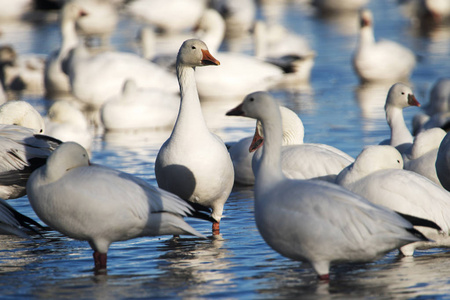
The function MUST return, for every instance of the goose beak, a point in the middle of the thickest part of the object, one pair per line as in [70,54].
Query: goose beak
[208,59]
[237,111]
[412,101]
[257,142]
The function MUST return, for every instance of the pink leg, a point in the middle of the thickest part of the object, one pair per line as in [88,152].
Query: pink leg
[216,228]
[325,277]
[100,260]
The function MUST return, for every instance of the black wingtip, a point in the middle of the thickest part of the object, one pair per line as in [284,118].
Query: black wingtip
[420,222]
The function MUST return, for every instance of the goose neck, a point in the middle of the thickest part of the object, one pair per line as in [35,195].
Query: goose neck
[268,170]
[190,115]
[399,131]
[366,36]
[68,35]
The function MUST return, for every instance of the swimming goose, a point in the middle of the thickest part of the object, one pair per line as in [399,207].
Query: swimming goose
[443,162]
[194,163]
[383,61]
[101,205]
[136,108]
[399,97]
[315,221]
[378,176]
[56,82]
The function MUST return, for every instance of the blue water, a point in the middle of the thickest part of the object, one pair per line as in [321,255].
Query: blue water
[335,110]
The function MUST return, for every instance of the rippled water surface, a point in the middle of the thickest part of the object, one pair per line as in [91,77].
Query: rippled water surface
[335,110]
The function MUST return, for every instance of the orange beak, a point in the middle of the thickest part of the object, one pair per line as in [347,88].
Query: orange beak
[412,101]
[257,142]
[208,59]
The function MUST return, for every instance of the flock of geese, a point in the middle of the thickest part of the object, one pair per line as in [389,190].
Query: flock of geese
[313,202]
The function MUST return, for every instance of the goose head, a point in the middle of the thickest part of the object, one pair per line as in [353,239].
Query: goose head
[71,12]
[401,96]
[67,156]
[365,18]
[194,53]
[378,157]
[21,113]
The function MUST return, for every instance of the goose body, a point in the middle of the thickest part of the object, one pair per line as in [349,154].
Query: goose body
[378,176]
[422,158]
[315,221]
[102,205]
[194,163]
[382,61]
[136,109]
[67,123]
[399,97]
[96,78]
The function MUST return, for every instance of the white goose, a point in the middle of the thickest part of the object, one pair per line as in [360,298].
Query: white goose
[293,132]
[66,122]
[399,97]
[21,150]
[96,78]
[137,109]
[231,80]
[422,158]
[315,221]
[443,162]
[383,61]
[56,82]
[102,205]
[377,175]
[194,163]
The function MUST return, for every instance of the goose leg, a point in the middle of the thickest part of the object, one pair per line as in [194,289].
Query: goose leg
[100,260]
[216,228]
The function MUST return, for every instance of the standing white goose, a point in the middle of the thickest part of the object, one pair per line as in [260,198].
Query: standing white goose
[399,97]
[383,61]
[194,163]
[56,82]
[315,221]
[102,205]
[377,175]
[443,162]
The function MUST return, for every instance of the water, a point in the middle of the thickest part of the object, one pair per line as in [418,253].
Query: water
[335,110]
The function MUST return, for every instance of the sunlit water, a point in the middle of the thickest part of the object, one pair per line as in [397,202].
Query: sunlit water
[335,110]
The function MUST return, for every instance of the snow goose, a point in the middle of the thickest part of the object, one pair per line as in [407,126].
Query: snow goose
[315,221]
[21,113]
[22,149]
[96,78]
[101,20]
[194,163]
[168,16]
[137,109]
[422,158]
[383,61]
[399,97]
[288,50]
[66,122]
[377,175]
[13,222]
[231,80]
[56,82]
[293,132]
[443,162]
[102,205]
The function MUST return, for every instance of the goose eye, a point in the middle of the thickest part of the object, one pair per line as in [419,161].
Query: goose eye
[252,99]
[193,47]
[403,93]
[41,131]
[398,161]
